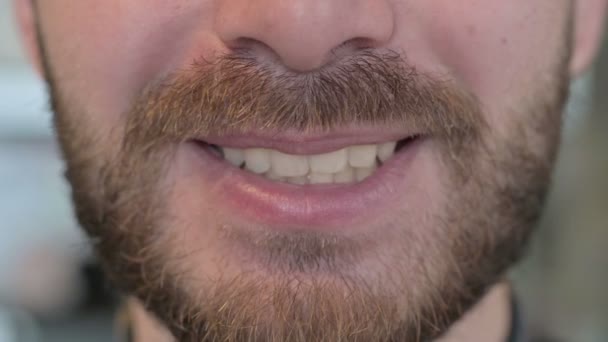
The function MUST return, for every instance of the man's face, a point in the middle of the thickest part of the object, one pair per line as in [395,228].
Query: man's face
[307,170]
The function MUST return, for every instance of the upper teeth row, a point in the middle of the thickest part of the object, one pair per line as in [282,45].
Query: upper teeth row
[341,166]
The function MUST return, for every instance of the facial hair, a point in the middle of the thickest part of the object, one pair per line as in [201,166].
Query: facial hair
[495,193]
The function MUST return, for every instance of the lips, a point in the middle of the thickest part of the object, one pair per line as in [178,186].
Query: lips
[321,182]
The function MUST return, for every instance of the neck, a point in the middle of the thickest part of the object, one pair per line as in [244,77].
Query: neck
[493,313]
[488,321]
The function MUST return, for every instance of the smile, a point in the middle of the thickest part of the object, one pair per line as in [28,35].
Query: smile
[307,181]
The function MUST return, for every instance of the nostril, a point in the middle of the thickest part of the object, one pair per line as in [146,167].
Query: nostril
[252,48]
[352,47]
[304,36]
[243,44]
[359,43]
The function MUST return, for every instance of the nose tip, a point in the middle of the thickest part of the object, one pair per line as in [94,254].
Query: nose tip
[304,34]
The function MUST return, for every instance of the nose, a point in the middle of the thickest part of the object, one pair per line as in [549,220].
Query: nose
[304,34]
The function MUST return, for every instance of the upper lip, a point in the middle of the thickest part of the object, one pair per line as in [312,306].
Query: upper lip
[305,143]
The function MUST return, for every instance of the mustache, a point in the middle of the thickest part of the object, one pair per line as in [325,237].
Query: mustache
[238,93]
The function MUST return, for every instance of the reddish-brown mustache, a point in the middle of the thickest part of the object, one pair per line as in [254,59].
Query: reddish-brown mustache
[236,94]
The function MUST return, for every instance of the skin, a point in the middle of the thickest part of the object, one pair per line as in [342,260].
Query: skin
[103,54]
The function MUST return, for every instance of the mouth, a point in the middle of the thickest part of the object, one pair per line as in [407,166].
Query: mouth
[291,180]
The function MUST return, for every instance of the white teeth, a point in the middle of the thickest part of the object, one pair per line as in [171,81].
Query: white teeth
[273,176]
[386,150]
[348,165]
[347,175]
[234,156]
[288,165]
[362,173]
[257,160]
[298,180]
[331,162]
[320,178]
[362,156]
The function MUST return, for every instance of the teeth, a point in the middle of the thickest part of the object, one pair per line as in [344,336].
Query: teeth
[321,178]
[331,162]
[362,156]
[348,165]
[257,160]
[288,165]
[298,180]
[273,176]
[234,156]
[347,175]
[386,150]
[362,173]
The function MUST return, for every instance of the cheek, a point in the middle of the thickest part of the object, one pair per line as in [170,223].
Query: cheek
[498,49]
[103,54]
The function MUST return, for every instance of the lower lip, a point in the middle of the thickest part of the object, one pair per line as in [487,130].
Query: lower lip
[325,207]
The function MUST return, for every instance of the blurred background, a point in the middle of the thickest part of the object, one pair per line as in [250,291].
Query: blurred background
[51,290]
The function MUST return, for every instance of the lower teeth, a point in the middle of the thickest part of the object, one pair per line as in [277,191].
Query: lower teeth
[348,175]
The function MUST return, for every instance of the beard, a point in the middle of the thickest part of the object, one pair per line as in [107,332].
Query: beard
[312,287]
